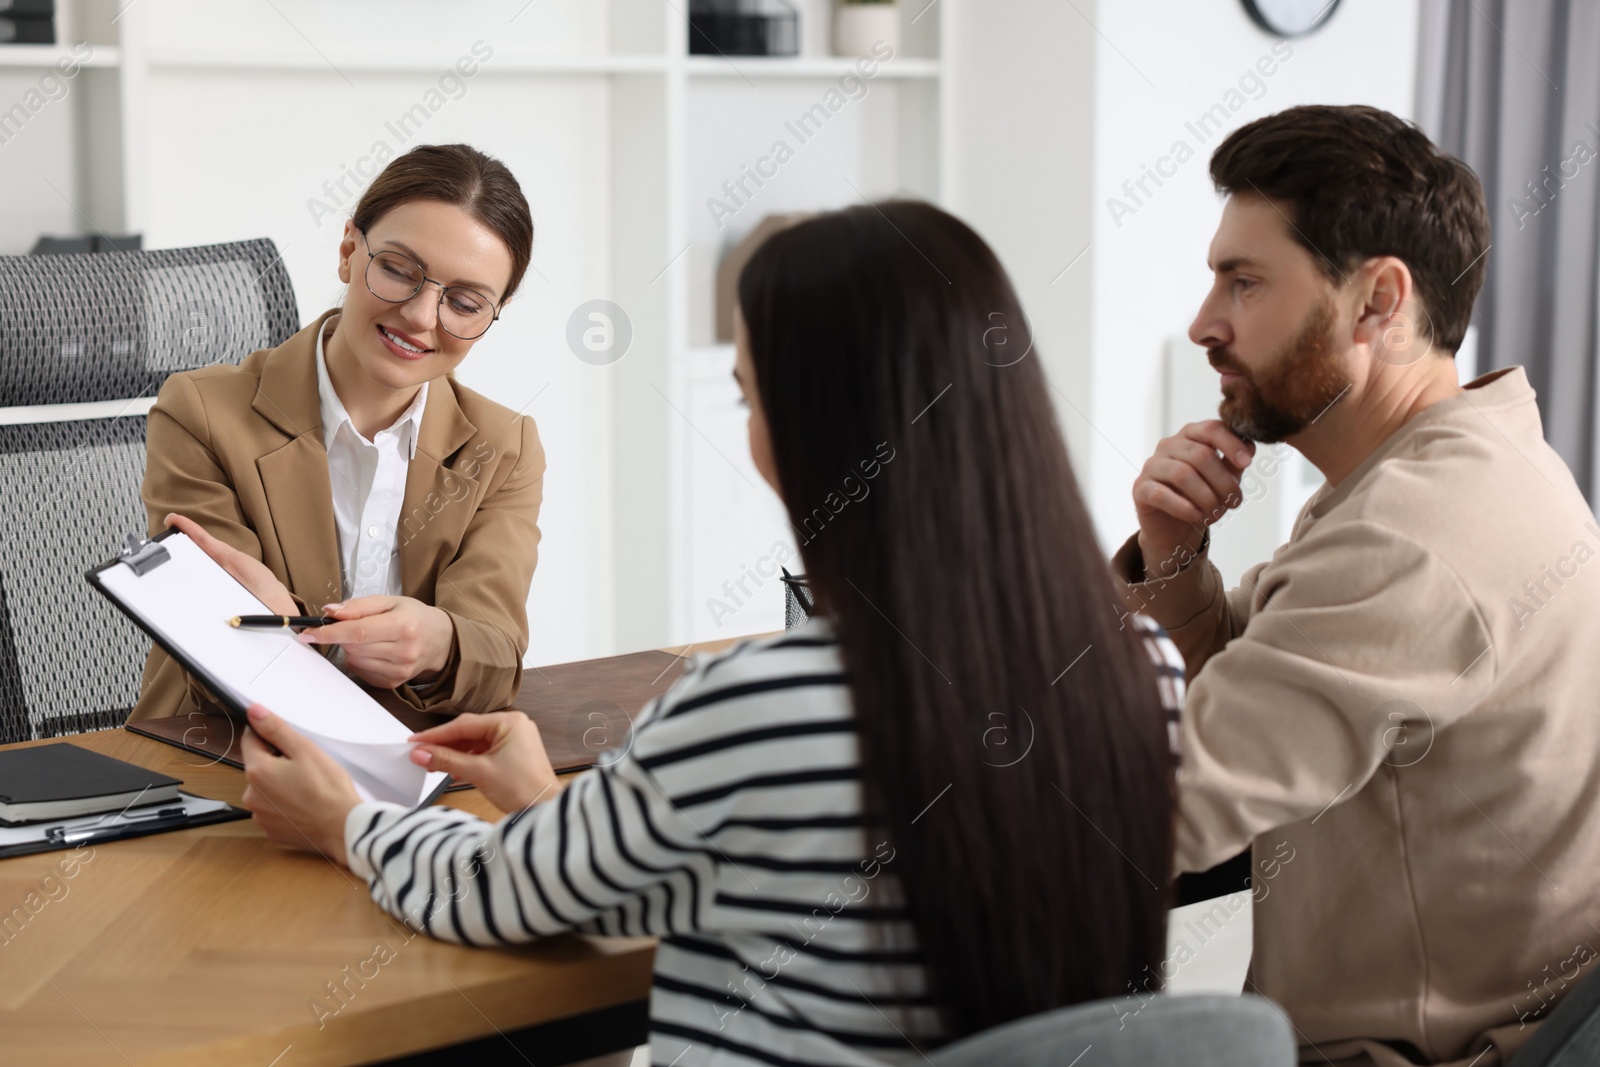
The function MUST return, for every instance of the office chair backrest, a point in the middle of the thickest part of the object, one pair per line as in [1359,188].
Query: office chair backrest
[1570,1035]
[85,343]
[1196,1031]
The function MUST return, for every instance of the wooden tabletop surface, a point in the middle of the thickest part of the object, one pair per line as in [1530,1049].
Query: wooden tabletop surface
[216,946]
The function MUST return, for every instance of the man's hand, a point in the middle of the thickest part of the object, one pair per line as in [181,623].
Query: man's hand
[388,640]
[500,753]
[1185,487]
[246,570]
[299,796]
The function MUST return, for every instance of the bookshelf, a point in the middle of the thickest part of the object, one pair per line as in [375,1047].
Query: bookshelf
[891,136]
[62,117]
[194,122]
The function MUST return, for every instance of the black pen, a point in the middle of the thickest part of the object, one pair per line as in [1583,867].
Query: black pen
[279,622]
[163,813]
[84,834]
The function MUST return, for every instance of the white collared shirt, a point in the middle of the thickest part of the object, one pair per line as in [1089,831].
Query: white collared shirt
[369,487]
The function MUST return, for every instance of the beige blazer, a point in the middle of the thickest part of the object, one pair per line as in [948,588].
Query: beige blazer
[239,450]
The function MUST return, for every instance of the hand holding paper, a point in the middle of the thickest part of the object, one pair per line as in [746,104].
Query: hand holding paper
[388,640]
[246,570]
[299,795]
[185,603]
[501,753]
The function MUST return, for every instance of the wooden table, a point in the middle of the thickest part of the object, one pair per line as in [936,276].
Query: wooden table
[215,946]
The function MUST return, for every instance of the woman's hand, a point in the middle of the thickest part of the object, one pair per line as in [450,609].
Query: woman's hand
[388,640]
[499,752]
[247,570]
[301,797]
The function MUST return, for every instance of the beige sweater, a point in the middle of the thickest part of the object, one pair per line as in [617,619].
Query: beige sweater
[1401,711]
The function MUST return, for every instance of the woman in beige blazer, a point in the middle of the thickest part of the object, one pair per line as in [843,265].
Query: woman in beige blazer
[351,465]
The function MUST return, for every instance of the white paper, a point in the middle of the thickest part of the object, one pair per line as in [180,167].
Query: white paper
[189,600]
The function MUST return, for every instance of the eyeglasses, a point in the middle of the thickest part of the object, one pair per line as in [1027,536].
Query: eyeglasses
[395,278]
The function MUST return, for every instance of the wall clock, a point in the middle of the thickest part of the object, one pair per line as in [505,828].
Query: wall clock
[1290,18]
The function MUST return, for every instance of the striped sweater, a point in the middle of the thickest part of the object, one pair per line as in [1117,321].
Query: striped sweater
[730,828]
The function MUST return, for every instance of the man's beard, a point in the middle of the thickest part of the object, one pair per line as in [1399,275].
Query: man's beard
[1297,385]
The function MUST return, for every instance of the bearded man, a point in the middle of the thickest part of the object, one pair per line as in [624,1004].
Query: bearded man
[1400,711]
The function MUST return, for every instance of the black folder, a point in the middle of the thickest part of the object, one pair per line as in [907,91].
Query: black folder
[64,781]
[63,771]
[27,30]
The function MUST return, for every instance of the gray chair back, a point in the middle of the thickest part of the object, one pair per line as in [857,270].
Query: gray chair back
[1570,1035]
[1195,1031]
[85,343]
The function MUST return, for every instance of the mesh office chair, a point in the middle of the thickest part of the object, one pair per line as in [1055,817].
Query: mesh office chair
[1569,1035]
[1196,1031]
[85,343]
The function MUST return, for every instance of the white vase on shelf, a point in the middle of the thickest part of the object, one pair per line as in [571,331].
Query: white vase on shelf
[858,27]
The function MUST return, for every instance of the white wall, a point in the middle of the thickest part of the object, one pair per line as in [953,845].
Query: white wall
[1026,73]
[1159,65]
[37,162]
[1058,106]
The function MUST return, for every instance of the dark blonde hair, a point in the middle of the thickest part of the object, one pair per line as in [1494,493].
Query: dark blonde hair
[461,175]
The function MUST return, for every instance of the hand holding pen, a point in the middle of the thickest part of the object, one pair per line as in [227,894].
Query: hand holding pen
[387,640]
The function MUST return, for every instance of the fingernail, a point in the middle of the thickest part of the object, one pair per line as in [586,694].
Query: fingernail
[1242,458]
[329,609]
[255,714]
[306,637]
[421,756]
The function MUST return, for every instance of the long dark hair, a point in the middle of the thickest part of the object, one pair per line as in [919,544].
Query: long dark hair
[969,595]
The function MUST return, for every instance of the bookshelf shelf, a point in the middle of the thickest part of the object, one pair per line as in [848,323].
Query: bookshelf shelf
[805,67]
[40,56]
[390,62]
[197,122]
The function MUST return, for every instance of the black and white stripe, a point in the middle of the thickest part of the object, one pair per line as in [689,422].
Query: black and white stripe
[731,829]
[1168,664]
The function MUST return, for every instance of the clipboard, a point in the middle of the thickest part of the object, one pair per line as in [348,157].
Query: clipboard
[115,826]
[183,598]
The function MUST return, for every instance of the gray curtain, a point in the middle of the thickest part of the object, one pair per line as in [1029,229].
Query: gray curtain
[1513,88]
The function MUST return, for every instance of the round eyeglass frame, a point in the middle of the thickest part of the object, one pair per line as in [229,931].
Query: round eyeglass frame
[443,289]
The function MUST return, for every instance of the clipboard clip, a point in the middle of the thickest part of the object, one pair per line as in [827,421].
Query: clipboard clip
[142,556]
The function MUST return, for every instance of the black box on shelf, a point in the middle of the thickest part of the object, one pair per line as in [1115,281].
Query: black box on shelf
[743,28]
[67,246]
[40,30]
[23,9]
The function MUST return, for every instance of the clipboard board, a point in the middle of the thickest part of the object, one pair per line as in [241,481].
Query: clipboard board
[183,598]
[115,826]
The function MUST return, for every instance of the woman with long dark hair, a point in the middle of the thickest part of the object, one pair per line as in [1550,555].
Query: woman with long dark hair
[942,804]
